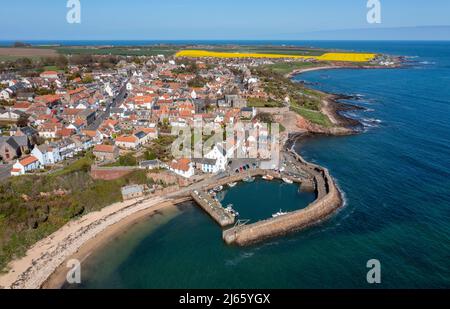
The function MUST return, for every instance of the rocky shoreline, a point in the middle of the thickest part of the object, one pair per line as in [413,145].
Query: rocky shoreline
[333,107]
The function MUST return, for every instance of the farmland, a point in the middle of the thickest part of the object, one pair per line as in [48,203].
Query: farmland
[10,54]
[346,57]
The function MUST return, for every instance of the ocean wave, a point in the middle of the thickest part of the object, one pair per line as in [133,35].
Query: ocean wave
[238,259]
[427,62]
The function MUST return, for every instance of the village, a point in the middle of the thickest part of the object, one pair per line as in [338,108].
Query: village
[124,115]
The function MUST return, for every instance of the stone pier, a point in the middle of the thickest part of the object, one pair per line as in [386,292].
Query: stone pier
[328,202]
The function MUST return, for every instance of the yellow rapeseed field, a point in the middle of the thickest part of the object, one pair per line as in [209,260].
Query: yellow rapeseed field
[352,57]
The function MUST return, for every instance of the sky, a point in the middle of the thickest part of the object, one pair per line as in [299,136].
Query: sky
[220,20]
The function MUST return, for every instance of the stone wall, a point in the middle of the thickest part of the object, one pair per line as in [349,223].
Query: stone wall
[328,201]
[110,173]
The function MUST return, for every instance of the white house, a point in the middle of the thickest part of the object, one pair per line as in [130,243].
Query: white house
[5,95]
[207,165]
[129,86]
[127,142]
[47,154]
[183,167]
[9,116]
[25,165]
[67,148]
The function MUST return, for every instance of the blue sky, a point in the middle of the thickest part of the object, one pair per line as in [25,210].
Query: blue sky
[212,19]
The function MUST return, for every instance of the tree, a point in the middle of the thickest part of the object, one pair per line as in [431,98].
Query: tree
[150,155]
[21,44]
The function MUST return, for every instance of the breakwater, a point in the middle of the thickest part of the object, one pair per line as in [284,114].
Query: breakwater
[328,201]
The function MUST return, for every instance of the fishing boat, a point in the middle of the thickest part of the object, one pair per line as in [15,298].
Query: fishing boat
[287,180]
[232,185]
[231,210]
[268,177]
[249,179]
[279,214]
[218,188]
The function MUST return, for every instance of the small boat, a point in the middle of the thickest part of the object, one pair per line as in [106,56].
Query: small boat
[249,179]
[218,188]
[230,210]
[286,180]
[232,185]
[279,214]
[268,177]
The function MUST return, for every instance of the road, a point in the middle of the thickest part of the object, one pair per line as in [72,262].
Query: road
[117,101]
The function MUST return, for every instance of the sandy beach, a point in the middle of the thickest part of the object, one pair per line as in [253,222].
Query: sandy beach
[76,240]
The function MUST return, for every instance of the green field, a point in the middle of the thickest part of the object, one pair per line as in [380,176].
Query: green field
[119,51]
[255,102]
[315,117]
[287,67]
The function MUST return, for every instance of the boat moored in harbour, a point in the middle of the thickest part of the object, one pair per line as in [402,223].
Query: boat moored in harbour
[218,189]
[231,210]
[279,214]
[249,179]
[288,181]
[268,177]
[232,185]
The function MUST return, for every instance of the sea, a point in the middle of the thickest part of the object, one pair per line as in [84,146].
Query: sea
[395,179]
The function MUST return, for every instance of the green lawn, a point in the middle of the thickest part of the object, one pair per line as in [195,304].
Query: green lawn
[255,102]
[287,67]
[315,117]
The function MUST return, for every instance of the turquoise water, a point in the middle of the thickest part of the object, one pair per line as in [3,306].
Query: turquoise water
[396,179]
[260,199]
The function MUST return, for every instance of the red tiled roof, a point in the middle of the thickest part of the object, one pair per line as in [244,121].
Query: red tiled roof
[104,148]
[181,164]
[28,160]
[126,139]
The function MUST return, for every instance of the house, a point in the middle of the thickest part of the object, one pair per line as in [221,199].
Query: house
[150,164]
[248,112]
[67,148]
[132,192]
[106,152]
[87,115]
[28,164]
[9,116]
[47,154]
[182,167]
[207,165]
[49,130]
[82,143]
[49,75]
[5,94]
[21,106]
[142,137]
[221,156]
[96,135]
[127,142]
[235,101]
[9,149]
[28,132]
